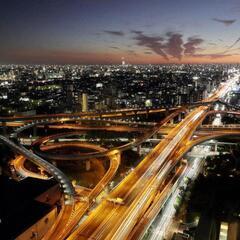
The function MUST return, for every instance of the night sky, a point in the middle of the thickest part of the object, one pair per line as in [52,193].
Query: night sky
[104,31]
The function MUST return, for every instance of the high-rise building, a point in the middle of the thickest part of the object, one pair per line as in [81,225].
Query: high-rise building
[84,102]
[123,61]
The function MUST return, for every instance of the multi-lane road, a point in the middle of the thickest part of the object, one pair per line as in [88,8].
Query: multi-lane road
[115,221]
[138,189]
[122,210]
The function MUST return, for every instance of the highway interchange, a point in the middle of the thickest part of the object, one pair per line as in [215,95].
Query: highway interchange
[143,191]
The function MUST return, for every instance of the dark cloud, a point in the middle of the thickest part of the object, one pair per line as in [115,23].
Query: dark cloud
[136,32]
[173,47]
[212,44]
[153,43]
[214,55]
[233,45]
[230,48]
[132,52]
[113,47]
[192,44]
[148,25]
[114,33]
[169,45]
[218,55]
[226,22]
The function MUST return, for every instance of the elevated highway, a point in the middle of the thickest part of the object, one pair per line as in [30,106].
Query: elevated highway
[105,114]
[55,172]
[19,165]
[149,183]
[147,134]
[138,189]
[83,204]
[68,199]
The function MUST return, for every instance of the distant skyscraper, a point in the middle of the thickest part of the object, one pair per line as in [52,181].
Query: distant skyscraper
[69,94]
[123,61]
[84,102]
[148,103]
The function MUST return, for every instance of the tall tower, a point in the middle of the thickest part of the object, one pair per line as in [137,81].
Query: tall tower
[123,61]
[84,102]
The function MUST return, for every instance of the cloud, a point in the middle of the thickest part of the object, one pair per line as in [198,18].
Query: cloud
[218,55]
[114,33]
[132,52]
[191,46]
[213,55]
[226,22]
[153,43]
[136,32]
[236,42]
[113,47]
[212,44]
[173,47]
[169,45]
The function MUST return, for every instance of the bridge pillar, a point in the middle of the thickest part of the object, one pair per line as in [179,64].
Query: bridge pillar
[167,112]
[147,114]
[179,117]
[4,127]
[215,147]
[54,163]
[35,131]
[88,165]
[139,149]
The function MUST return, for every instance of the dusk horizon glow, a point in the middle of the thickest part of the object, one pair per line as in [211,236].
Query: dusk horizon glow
[105,31]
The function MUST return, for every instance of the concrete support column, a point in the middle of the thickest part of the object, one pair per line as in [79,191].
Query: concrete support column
[54,163]
[35,131]
[88,165]
[147,114]
[139,149]
[135,113]
[179,117]
[4,127]
[215,147]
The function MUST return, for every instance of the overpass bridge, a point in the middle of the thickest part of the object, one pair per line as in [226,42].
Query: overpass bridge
[150,182]
[64,182]
[137,190]
[122,113]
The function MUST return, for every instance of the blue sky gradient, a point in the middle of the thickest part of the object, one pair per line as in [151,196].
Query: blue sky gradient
[103,31]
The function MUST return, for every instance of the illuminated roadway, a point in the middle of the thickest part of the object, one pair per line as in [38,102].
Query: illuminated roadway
[74,207]
[84,203]
[68,199]
[147,134]
[73,211]
[137,190]
[18,164]
[114,221]
[107,114]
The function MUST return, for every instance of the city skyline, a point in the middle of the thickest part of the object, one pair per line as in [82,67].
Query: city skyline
[103,32]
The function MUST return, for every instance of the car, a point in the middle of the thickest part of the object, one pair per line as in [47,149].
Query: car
[116,200]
